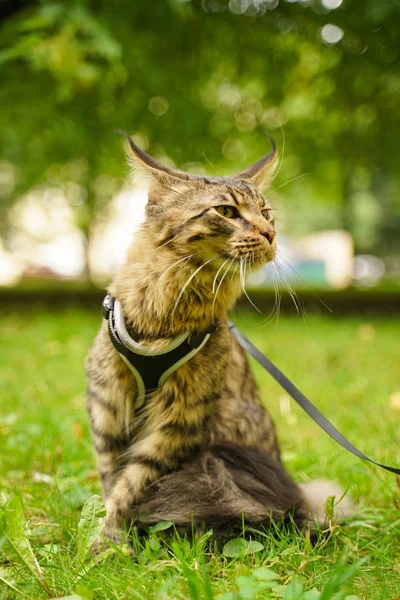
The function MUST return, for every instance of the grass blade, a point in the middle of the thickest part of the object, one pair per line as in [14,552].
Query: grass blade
[14,542]
[89,526]
[4,578]
[340,576]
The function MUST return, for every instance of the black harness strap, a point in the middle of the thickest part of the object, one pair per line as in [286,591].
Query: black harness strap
[151,370]
[301,400]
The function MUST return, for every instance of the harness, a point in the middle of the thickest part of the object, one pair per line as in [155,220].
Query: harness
[150,368]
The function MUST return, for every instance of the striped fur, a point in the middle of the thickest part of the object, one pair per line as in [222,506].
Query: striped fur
[182,271]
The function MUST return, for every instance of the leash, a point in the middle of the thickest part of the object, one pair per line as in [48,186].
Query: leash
[301,400]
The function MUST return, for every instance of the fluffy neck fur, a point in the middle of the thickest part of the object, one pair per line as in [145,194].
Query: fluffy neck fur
[155,302]
[168,287]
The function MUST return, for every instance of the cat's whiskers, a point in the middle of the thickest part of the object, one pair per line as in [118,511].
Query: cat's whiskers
[243,281]
[234,273]
[241,272]
[165,243]
[285,258]
[187,283]
[289,288]
[286,252]
[219,285]
[157,248]
[278,296]
[293,179]
[174,264]
[285,283]
[217,273]
[250,264]
[276,309]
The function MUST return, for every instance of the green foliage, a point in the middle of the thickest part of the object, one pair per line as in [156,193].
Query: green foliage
[331,590]
[73,597]
[162,526]
[89,526]
[46,452]
[338,578]
[240,547]
[265,581]
[203,89]
[8,582]
[14,542]
[260,580]
[68,43]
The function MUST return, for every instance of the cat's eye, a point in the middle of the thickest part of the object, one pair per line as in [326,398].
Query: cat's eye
[266,214]
[227,211]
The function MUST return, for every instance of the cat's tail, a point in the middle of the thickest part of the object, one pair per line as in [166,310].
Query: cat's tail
[316,494]
[226,486]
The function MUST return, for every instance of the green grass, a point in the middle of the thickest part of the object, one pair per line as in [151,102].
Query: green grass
[348,367]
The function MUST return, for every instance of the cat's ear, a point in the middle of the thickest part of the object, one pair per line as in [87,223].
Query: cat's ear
[164,175]
[261,172]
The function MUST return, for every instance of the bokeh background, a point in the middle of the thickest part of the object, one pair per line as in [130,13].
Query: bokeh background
[196,84]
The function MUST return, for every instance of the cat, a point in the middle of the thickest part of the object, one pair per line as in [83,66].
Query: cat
[203,449]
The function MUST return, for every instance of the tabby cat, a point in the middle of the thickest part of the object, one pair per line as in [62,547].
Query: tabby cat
[202,449]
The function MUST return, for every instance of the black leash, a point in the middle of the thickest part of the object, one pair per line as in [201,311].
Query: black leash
[301,400]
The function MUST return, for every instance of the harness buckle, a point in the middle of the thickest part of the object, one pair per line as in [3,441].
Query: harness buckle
[108,305]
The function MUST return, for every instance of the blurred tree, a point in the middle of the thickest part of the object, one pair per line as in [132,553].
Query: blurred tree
[200,81]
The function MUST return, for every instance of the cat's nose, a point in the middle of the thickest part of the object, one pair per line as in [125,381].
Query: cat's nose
[269,234]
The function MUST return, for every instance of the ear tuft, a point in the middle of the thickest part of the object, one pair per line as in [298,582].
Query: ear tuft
[262,172]
[161,173]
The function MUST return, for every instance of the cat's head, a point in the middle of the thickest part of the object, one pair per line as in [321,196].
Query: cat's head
[211,217]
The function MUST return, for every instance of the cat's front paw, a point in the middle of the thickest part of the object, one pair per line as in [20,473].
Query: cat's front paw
[111,535]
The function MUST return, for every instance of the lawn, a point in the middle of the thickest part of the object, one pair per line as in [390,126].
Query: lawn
[348,367]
